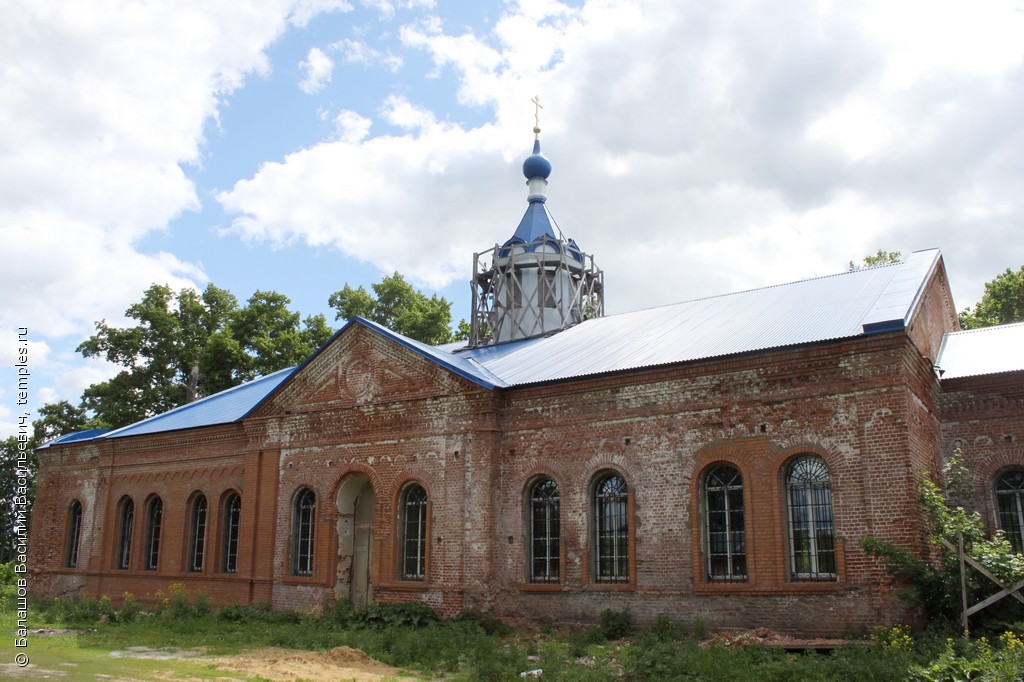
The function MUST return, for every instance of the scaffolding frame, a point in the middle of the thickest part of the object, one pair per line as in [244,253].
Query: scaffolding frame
[525,312]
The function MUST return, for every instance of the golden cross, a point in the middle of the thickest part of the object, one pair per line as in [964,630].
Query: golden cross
[536,111]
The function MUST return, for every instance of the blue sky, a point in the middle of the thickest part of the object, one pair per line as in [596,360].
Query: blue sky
[298,145]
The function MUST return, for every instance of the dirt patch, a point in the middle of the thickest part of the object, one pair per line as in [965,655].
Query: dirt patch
[340,663]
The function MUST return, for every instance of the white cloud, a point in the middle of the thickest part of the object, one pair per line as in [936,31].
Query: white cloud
[722,146]
[351,127]
[318,67]
[361,52]
[304,10]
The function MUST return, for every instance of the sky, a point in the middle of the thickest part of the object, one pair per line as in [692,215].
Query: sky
[698,148]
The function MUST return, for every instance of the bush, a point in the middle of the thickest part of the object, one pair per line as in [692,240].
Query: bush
[487,624]
[616,624]
[936,584]
[382,616]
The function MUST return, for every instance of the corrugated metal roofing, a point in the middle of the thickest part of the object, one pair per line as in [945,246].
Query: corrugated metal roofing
[807,311]
[88,434]
[840,306]
[974,352]
[220,408]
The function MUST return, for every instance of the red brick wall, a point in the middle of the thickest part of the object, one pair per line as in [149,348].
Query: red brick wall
[366,407]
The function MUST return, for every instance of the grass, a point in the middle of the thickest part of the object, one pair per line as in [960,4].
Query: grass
[474,648]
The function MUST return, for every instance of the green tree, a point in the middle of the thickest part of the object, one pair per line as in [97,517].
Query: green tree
[189,345]
[271,337]
[11,492]
[1002,302]
[399,307]
[59,419]
[880,258]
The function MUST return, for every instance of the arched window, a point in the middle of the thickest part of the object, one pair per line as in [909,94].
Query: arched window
[811,532]
[545,532]
[154,518]
[414,533]
[197,534]
[1010,502]
[124,544]
[726,540]
[232,521]
[303,528]
[74,534]
[611,529]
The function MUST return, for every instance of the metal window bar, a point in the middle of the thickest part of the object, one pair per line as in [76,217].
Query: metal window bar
[305,515]
[124,550]
[154,519]
[545,532]
[231,528]
[1010,502]
[726,533]
[811,529]
[74,534]
[612,530]
[414,533]
[197,535]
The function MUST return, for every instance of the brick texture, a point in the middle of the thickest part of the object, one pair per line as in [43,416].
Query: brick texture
[369,415]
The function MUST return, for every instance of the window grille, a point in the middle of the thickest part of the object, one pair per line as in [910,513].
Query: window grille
[124,546]
[305,517]
[611,516]
[74,534]
[545,532]
[197,535]
[154,519]
[726,541]
[1010,502]
[414,532]
[232,521]
[811,532]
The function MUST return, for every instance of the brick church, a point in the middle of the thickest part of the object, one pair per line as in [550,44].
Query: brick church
[717,458]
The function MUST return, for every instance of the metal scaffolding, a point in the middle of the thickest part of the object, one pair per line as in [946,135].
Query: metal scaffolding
[531,289]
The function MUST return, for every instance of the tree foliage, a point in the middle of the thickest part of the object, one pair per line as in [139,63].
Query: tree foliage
[880,258]
[934,582]
[399,307]
[188,345]
[1002,302]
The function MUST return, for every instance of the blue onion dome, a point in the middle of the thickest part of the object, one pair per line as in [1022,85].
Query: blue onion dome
[536,165]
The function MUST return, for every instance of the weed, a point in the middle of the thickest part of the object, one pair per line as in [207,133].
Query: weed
[616,624]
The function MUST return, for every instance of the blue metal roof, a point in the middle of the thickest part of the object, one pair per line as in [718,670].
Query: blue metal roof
[219,408]
[975,352]
[87,434]
[840,306]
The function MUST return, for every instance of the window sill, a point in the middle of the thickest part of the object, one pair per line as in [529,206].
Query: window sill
[611,586]
[540,588]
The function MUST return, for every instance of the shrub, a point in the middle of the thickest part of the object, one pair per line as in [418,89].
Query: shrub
[488,624]
[382,616]
[616,624]
[936,584]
